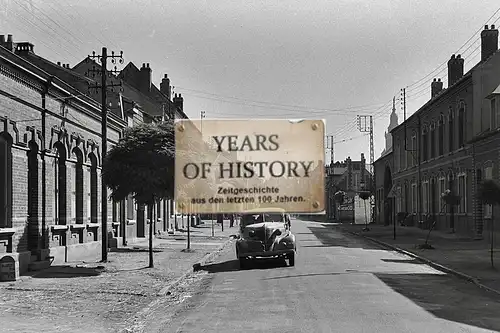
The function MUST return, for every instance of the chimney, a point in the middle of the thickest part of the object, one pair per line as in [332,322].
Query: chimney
[436,87]
[145,79]
[24,47]
[179,102]
[165,86]
[489,42]
[2,40]
[455,69]
[9,45]
[58,63]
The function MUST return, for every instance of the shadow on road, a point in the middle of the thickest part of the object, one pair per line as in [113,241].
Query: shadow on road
[67,272]
[331,236]
[302,275]
[135,249]
[454,300]
[234,265]
[405,261]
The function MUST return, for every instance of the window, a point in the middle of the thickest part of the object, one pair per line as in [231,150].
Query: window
[441,135]
[462,192]
[451,129]
[130,207]
[441,189]
[414,198]
[79,185]
[425,197]
[433,140]
[60,184]
[402,156]
[461,126]
[93,189]
[5,182]
[397,157]
[425,145]
[413,150]
[72,190]
[488,209]
[495,115]
[399,200]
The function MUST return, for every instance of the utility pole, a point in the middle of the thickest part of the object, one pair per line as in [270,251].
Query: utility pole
[103,87]
[329,181]
[329,145]
[403,104]
[365,124]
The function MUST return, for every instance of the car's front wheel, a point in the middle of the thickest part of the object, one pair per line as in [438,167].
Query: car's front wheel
[291,259]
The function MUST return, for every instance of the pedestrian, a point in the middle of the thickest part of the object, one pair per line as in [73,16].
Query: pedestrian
[231,220]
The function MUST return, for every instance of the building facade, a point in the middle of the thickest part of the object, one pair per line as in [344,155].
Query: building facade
[447,144]
[50,166]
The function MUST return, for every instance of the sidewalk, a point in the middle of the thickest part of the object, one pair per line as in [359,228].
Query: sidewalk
[459,255]
[98,297]
[204,230]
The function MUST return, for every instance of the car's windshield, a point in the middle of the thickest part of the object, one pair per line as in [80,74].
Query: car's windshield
[248,219]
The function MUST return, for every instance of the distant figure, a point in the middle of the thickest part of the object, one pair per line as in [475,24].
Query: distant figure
[220,218]
[288,221]
[231,220]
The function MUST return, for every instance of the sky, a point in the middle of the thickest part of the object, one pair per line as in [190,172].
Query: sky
[323,59]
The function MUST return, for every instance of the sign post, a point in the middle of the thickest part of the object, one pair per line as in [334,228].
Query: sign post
[242,165]
[394,193]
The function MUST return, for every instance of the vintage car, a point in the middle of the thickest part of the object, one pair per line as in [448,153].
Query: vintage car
[265,235]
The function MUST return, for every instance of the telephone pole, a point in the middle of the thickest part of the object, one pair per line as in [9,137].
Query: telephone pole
[365,125]
[103,87]
[329,145]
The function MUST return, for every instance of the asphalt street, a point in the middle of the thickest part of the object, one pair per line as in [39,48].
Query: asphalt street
[340,283]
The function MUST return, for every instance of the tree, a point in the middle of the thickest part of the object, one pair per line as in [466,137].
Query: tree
[489,193]
[142,164]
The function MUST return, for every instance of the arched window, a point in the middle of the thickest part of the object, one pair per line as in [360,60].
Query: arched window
[461,126]
[5,181]
[78,186]
[441,135]
[93,189]
[33,220]
[60,184]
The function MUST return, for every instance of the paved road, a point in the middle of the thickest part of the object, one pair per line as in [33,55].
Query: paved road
[339,284]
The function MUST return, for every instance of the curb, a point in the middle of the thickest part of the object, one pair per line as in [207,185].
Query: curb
[209,256]
[428,262]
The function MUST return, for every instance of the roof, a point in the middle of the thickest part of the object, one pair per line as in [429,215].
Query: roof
[47,71]
[383,157]
[75,79]
[148,105]
[446,91]
[130,75]
[494,93]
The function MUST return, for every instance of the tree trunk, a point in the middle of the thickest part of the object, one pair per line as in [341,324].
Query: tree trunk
[150,209]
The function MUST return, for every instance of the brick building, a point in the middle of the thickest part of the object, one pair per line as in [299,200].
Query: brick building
[448,143]
[51,160]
